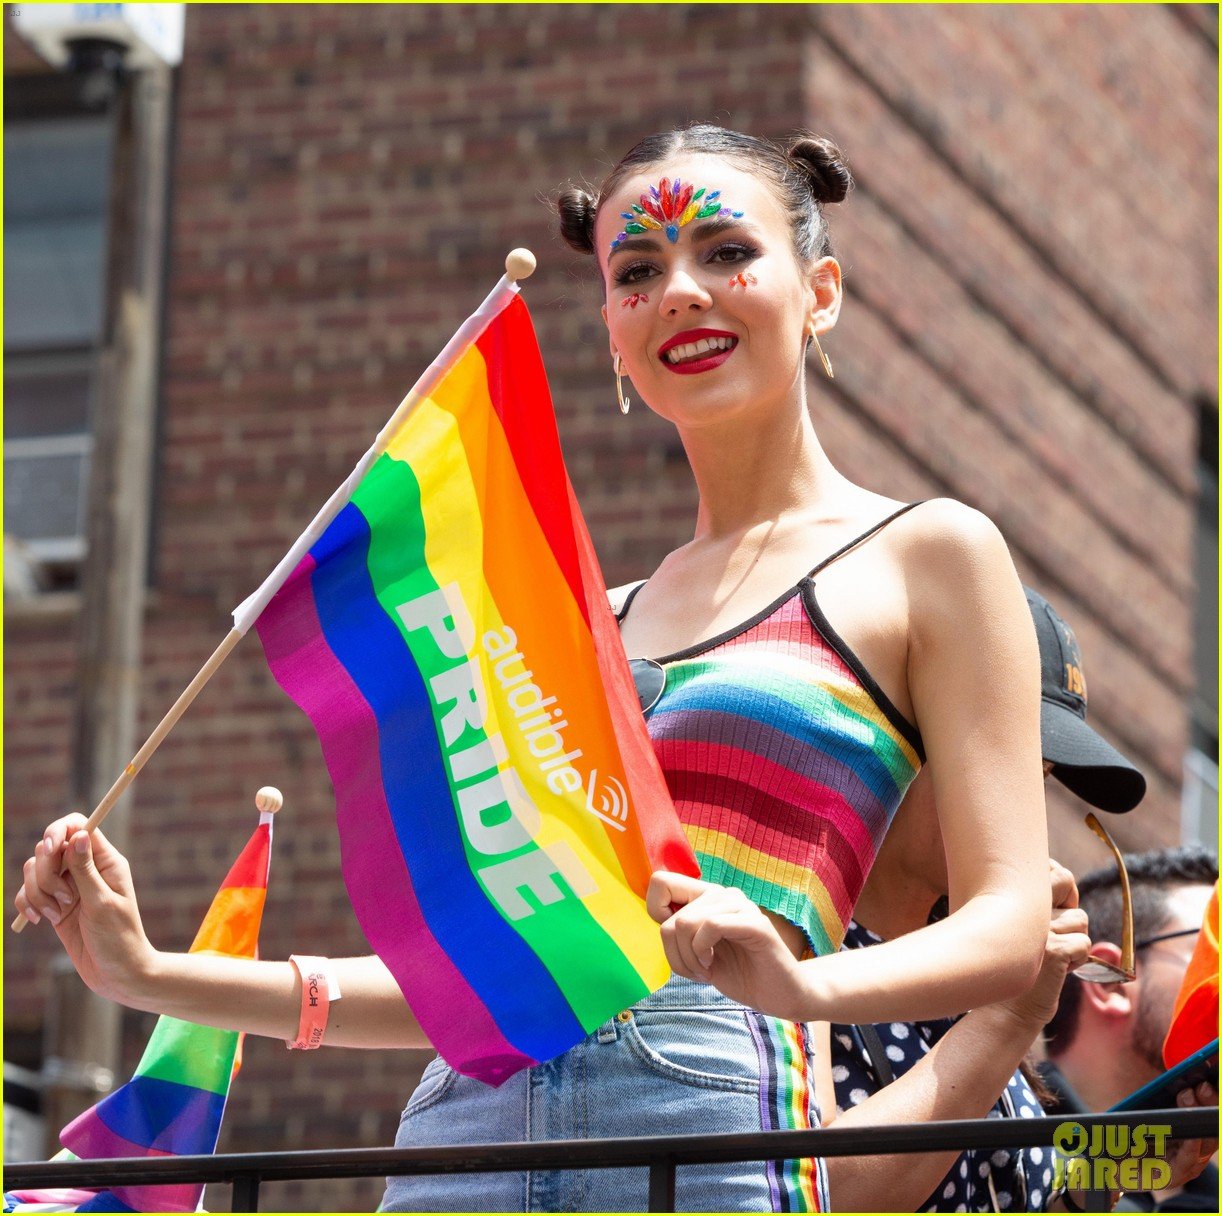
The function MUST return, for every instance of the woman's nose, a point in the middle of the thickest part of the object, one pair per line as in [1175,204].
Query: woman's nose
[683,293]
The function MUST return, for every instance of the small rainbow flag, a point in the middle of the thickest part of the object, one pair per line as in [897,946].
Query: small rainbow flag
[500,807]
[173,1104]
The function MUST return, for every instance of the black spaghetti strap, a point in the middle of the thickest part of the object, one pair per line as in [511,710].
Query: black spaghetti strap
[878,527]
[623,608]
[827,561]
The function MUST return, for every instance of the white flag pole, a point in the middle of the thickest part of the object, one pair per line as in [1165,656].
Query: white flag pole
[520,264]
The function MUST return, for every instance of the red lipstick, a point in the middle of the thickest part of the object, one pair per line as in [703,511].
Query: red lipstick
[724,344]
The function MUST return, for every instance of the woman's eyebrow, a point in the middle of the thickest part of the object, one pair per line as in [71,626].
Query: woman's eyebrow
[636,243]
[701,231]
[716,225]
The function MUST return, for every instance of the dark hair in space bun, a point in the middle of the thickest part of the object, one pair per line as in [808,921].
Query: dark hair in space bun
[577,208]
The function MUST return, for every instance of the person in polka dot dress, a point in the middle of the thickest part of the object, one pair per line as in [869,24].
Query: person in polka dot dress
[999,1180]
[906,889]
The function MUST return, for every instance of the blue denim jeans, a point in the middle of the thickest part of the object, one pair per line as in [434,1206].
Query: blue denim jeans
[684,1060]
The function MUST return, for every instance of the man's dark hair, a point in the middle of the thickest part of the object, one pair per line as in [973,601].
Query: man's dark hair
[1152,878]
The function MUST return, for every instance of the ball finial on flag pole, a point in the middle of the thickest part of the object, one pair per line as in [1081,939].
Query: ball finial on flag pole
[520,264]
[269,800]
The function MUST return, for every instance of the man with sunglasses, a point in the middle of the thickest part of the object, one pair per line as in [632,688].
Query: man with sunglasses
[1106,1039]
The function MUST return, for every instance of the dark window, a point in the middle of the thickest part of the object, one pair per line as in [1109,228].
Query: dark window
[56,182]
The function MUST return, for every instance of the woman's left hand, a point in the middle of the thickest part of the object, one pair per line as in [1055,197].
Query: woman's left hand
[718,936]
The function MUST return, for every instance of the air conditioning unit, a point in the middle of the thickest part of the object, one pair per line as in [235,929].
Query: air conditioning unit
[136,35]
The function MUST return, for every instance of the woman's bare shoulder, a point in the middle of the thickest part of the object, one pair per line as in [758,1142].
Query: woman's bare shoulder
[957,569]
[946,534]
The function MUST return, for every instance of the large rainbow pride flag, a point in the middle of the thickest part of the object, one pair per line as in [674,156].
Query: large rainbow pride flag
[500,807]
[174,1102]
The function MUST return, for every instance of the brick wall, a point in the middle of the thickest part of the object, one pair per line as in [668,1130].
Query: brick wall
[1029,258]
[1000,253]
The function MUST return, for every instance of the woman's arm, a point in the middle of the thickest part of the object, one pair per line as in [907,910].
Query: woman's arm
[262,997]
[973,677]
[83,885]
[961,1077]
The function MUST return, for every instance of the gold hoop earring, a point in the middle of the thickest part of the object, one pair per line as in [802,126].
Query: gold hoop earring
[624,402]
[827,363]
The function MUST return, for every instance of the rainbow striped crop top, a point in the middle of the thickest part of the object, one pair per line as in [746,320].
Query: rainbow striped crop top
[786,762]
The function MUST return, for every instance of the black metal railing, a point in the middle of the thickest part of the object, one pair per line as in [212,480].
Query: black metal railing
[662,1155]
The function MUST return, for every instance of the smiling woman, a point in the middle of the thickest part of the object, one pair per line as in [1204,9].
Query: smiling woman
[799,678]
[812,646]
[742,238]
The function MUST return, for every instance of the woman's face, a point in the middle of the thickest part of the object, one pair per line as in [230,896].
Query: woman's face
[710,316]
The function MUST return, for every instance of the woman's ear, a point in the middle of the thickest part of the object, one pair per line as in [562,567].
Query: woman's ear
[826,294]
[610,340]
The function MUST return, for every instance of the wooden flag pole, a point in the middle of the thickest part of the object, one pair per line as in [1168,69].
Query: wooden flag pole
[519,264]
[153,742]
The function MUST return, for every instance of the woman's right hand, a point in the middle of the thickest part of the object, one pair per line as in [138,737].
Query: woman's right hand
[82,884]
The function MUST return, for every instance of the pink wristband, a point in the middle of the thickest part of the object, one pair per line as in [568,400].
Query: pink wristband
[319,988]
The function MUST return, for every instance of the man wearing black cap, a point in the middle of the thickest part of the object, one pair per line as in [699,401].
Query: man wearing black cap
[907,887]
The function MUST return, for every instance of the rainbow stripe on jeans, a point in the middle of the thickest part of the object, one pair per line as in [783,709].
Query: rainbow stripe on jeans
[786,1102]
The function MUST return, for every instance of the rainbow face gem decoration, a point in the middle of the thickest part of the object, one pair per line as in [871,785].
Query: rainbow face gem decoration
[669,206]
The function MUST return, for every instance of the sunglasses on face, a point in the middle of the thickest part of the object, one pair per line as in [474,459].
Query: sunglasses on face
[1099,970]
[1170,935]
[650,680]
